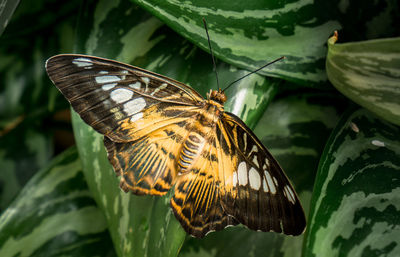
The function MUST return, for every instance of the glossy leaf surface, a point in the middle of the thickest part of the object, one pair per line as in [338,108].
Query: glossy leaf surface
[368,72]
[356,201]
[53,215]
[249,34]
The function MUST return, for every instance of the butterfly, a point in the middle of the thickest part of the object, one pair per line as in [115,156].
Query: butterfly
[161,134]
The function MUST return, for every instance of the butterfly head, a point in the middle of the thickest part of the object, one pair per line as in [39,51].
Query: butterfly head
[217,96]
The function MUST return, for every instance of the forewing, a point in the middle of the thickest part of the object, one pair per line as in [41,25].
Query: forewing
[147,166]
[118,100]
[256,190]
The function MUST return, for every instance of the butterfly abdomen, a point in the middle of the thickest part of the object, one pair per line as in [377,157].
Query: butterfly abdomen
[191,148]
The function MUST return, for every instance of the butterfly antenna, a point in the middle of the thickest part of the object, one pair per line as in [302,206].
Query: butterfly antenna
[274,61]
[212,55]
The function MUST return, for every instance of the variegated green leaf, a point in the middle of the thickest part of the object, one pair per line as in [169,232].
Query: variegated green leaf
[356,200]
[26,98]
[295,130]
[146,42]
[24,85]
[23,151]
[368,72]
[55,215]
[139,226]
[249,34]
[249,98]
[7,8]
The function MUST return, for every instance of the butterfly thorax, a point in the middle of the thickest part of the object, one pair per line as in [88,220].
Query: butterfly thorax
[217,96]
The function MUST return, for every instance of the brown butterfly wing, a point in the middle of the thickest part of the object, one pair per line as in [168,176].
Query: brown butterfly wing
[141,114]
[121,101]
[236,180]
[147,166]
[197,197]
[257,192]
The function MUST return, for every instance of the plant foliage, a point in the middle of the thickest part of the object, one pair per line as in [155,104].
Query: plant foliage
[343,159]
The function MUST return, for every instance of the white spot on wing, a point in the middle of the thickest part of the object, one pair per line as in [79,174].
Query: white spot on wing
[290,194]
[82,62]
[275,181]
[254,179]
[245,140]
[135,85]
[124,72]
[284,193]
[137,116]
[234,179]
[266,189]
[121,95]
[265,166]
[271,185]
[242,173]
[256,161]
[134,106]
[106,87]
[146,81]
[254,149]
[161,87]
[107,79]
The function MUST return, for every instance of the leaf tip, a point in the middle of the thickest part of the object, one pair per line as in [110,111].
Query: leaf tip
[332,40]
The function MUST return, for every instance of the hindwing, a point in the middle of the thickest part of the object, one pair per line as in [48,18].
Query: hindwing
[147,166]
[256,190]
[197,197]
[236,180]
